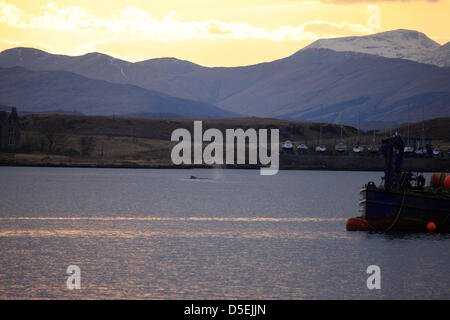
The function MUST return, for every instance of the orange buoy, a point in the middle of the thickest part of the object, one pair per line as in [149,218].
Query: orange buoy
[437,180]
[447,182]
[357,224]
[431,226]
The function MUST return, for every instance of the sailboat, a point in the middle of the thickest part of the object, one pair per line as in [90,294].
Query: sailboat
[302,148]
[373,148]
[341,146]
[421,150]
[320,147]
[408,149]
[288,145]
[358,148]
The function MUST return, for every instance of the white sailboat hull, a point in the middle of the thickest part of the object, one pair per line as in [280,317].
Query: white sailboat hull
[358,149]
[321,149]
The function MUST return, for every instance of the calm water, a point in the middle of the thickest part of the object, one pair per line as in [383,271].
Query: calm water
[156,234]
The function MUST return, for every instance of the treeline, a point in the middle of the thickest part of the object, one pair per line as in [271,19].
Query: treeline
[52,138]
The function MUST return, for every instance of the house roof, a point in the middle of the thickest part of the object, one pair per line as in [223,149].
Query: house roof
[3,117]
[13,114]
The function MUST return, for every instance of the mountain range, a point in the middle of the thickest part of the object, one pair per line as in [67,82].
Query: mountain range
[376,78]
[62,91]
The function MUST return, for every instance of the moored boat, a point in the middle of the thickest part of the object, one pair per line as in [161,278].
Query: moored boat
[373,148]
[403,202]
[410,210]
[321,148]
[420,151]
[357,148]
[436,152]
[288,145]
[302,148]
[341,146]
[408,150]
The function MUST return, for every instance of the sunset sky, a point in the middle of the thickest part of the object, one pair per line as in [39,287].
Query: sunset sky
[207,32]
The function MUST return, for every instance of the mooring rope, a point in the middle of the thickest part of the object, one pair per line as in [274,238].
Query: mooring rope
[399,211]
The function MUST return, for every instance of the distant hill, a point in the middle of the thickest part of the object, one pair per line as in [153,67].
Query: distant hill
[52,91]
[99,66]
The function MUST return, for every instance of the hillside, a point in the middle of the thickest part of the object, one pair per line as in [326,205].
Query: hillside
[161,129]
[45,91]
[437,129]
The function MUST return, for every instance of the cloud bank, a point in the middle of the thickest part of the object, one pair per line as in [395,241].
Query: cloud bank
[140,24]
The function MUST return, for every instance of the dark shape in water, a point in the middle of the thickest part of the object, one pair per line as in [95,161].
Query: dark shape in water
[198,178]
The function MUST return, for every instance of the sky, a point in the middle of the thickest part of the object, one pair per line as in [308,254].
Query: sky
[208,32]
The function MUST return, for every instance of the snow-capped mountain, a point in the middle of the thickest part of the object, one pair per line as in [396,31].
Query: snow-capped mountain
[401,43]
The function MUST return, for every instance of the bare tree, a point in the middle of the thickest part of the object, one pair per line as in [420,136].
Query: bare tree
[53,137]
[87,145]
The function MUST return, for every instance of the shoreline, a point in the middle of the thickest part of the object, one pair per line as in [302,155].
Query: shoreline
[305,162]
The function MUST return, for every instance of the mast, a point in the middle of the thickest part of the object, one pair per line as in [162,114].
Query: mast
[373,139]
[407,144]
[320,127]
[423,127]
[359,126]
[320,135]
[390,129]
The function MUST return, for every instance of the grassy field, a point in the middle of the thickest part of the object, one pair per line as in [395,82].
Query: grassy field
[55,139]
